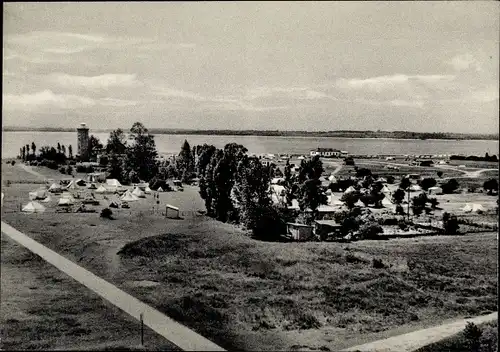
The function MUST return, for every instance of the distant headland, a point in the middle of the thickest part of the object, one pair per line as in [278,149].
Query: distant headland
[339,133]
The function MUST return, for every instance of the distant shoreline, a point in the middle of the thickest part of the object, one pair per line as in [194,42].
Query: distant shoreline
[267,133]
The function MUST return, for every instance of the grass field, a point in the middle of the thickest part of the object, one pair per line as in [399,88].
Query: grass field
[251,295]
[43,308]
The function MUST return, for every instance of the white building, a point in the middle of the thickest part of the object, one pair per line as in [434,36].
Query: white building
[327,152]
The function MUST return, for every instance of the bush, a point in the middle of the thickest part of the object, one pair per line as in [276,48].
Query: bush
[390,179]
[472,334]
[69,170]
[450,186]
[370,231]
[427,183]
[378,263]
[13,162]
[62,170]
[106,213]
[52,165]
[450,224]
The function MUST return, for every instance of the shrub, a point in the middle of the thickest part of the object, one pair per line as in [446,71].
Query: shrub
[106,213]
[370,230]
[62,170]
[450,186]
[450,224]
[13,162]
[390,179]
[427,183]
[472,334]
[52,165]
[440,174]
[69,170]
[378,263]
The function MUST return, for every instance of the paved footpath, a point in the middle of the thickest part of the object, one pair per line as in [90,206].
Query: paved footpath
[174,332]
[420,338]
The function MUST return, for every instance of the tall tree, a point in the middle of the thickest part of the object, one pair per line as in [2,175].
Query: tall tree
[185,162]
[24,152]
[94,147]
[27,150]
[142,153]
[63,149]
[117,142]
[33,147]
[70,152]
[311,193]
[58,147]
[288,183]
[115,167]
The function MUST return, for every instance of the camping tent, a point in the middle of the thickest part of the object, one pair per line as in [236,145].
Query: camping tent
[55,188]
[359,203]
[139,193]
[129,197]
[476,208]
[112,182]
[159,189]
[66,201]
[415,188]
[147,190]
[350,189]
[67,195]
[72,185]
[92,186]
[33,207]
[47,200]
[38,194]
[386,202]
[277,180]
[332,179]
[435,190]
[333,200]
[101,189]
[385,189]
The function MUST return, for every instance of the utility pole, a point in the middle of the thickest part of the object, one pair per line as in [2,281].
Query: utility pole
[142,330]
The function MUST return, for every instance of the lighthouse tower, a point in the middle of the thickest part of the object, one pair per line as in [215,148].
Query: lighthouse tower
[83,141]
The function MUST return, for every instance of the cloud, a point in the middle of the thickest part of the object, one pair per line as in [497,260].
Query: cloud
[299,93]
[381,83]
[105,81]
[45,99]
[464,62]
[176,93]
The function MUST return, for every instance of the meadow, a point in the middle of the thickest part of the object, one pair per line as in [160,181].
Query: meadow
[246,294]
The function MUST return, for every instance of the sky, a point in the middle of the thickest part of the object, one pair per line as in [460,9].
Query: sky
[415,66]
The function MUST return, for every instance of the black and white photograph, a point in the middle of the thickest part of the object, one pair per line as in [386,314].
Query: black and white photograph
[250,176]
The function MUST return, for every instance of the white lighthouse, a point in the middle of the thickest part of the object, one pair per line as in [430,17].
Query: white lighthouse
[83,141]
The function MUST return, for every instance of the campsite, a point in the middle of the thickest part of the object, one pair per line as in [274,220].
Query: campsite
[203,269]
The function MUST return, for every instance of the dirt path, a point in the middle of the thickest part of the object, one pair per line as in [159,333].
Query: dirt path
[174,332]
[420,338]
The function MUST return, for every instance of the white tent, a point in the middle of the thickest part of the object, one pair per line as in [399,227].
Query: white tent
[33,207]
[112,182]
[147,190]
[47,200]
[129,197]
[72,185]
[350,189]
[382,179]
[55,188]
[277,180]
[139,193]
[160,189]
[385,189]
[359,203]
[386,202]
[333,200]
[101,189]
[38,194]
[92,186]
[67,195]
[435,190]
[415,188]
[66,201]
[332,179]
[476,208]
